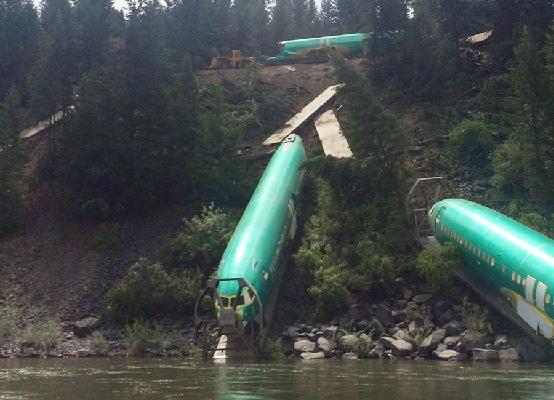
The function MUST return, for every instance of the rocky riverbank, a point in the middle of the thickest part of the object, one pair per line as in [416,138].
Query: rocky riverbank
[413,326]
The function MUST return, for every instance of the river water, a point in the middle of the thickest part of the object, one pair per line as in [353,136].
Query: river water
[104,379]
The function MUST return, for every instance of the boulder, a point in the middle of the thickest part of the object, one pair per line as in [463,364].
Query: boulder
[454,328]
[445,317]
[349,342]
[509,355]
[376,326]
[383,315]
[291,331]
[485,355]
[403,335]
[412,326]
[451,341]
[304,346]
[312,356]
[399,348]
[330,332]
[422,298]
[473,339]
[408,293]
[448,355]
[501,342]
[350,356]
[431,342]
[85,326]
[326,345]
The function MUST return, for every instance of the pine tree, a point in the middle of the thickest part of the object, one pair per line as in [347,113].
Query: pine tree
[94,21]
[19,34]
[11,158]
[56,70]
[281,21]
[329,17]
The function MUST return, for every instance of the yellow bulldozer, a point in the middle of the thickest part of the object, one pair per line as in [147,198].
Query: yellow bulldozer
[233,60]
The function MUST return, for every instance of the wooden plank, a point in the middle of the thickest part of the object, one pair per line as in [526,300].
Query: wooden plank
[332,139]
[303,116]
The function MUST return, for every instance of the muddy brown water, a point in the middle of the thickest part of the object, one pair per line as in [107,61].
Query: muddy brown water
[104,379]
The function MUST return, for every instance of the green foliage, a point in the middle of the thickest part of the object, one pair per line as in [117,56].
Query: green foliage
[437,265]
[412,312]
[104,237]
[201,243]
[141,338]
[11,160]
[42,334]
[471,143]
[9,317]
[98,343]
[148,290]
[273,350]
[476,317]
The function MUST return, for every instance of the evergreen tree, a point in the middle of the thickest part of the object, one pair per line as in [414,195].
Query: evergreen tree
[55,71]
[329,17]
[11,158]
[19,34]
[281,21]
[93,28]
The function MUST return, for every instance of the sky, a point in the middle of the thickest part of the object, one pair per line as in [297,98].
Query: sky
[119,4]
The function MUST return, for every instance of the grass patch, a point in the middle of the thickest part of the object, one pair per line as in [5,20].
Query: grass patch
[42,334]
[8,323]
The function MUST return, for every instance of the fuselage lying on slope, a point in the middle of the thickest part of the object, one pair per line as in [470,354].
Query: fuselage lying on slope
[314,49]
[508,257]
[249,272]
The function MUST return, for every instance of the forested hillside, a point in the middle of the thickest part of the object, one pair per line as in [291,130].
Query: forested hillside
[147,139]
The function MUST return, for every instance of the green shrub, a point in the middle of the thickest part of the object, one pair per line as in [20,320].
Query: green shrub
[273,350]
[412,312]
[98,343]
[141,337]
[476,317]
[202,242]
[42,334]
[471,143]
[148,290]
[8,323]
[104,237]
[438,264]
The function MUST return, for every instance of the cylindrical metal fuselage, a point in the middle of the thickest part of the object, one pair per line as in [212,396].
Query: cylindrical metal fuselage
[256,248]
[349,44]
[509,257]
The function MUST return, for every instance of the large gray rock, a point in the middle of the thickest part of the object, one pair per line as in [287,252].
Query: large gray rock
[509,355]
[312,356]
[451,341]
[383,315]
[422,298]
[454,328]
[376,326]
[473,339]
[501,342]
[403,335]
[485,355]
[399,348]
[304,346]
[85,326]
[291,331]
[448,355]
[326,345]
[330,332]
[349,343]
[431,342]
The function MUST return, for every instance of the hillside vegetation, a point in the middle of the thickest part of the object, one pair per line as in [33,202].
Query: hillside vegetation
[148,139]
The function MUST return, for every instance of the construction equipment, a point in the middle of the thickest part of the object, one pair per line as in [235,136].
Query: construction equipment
[234,60]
